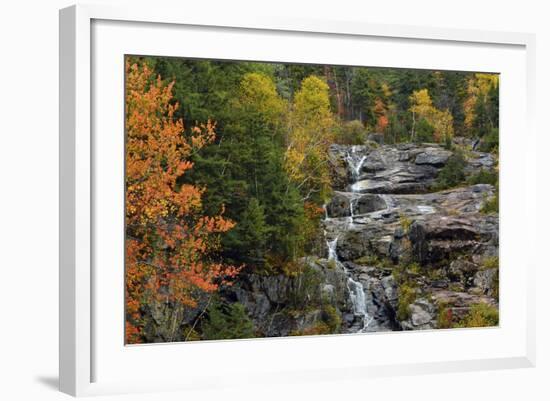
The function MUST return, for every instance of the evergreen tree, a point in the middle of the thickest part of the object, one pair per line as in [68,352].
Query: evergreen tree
[363,95]
[252,232]
[227,322]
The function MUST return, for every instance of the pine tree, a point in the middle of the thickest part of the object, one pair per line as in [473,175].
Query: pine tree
[227,322]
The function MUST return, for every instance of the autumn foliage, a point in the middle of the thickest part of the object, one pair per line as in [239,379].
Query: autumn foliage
[170,244]
[440,120]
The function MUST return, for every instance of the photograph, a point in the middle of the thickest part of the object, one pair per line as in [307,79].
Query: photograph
[269,199]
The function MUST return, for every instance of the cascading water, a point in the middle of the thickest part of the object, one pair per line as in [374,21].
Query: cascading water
[356,290]
[331,245]
[355,162]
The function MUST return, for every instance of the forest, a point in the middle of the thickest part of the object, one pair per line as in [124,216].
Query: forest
[260,198]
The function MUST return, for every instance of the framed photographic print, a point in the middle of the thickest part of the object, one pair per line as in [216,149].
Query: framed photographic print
[280,199]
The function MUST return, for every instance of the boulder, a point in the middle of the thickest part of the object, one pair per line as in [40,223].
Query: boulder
[487,281]
[369,203]
[339,205]
[422,316]
[436,157]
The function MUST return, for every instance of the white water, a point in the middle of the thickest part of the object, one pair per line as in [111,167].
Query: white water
[359,302]
[326,211]
[331,245]
[355,288]
[355,163]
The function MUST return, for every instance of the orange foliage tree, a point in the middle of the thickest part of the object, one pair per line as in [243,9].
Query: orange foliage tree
[380,111]
[170,245]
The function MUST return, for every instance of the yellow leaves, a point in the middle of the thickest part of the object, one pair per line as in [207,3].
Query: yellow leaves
[421,102]
[258,92]
[312,106]
[478,86]
[310,135]
[484,82]
[440,120]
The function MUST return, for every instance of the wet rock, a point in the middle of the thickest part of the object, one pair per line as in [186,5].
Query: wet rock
[386,216]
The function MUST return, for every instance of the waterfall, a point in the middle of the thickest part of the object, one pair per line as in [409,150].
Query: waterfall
[355,288]
[355,163]
[359,302]
[326,211]
[331,245]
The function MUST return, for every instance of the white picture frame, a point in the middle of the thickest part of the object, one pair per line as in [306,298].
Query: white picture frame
[81,343]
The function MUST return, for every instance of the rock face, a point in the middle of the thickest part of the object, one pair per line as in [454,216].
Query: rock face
[276,303]
[398,169]
[398,256]
[397,238]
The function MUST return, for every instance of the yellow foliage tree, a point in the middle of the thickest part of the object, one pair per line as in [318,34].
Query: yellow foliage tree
[440,120]
[310,135]
[478,86]
[259,95]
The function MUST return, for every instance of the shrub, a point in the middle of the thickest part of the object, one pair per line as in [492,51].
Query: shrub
[227,322]
[331,318]
[317,329]
[490,205]
[489,262]
[452,174]
[368,260]
[351,133]
[407,295]
[483,177]
[405,223]
[414,268]
[480,315]
[489,143]
[424,131]
[445,317]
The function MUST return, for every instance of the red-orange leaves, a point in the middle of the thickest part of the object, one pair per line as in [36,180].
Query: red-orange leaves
[169,243]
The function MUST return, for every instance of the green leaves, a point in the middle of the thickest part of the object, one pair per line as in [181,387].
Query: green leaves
[226,322]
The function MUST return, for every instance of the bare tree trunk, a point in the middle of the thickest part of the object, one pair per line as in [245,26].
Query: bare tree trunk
[174,323]
[413,133]
[199,317]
